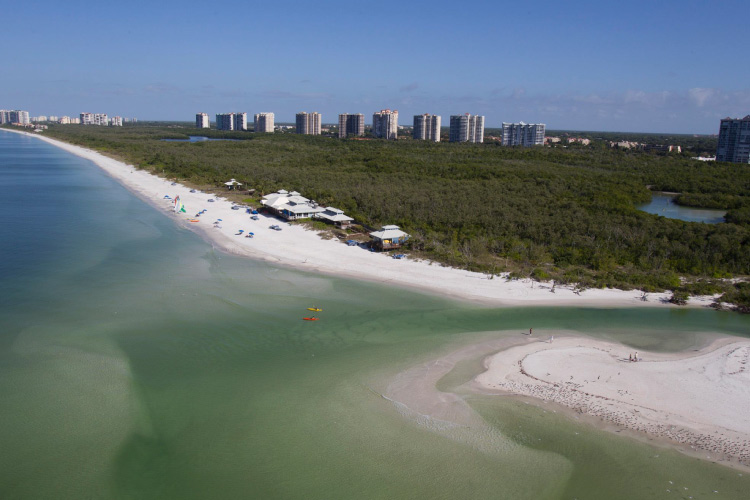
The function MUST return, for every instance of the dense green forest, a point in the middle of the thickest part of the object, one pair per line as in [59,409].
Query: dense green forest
[566,214]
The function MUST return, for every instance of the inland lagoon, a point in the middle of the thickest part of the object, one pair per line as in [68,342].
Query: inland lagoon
[663,204]
[136,361]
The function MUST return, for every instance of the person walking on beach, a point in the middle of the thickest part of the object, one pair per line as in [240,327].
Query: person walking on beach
[530,331]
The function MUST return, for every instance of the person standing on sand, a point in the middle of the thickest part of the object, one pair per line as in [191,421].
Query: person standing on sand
[635,358]
[530,330]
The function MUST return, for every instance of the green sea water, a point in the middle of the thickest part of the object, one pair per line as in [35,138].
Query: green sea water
[138,362]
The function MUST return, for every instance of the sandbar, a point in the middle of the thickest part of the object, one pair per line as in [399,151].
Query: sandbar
[700,399]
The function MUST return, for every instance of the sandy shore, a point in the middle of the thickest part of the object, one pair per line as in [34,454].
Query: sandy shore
[303,249]
[698,399]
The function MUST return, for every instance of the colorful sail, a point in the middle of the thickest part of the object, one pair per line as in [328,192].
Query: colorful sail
[178,206]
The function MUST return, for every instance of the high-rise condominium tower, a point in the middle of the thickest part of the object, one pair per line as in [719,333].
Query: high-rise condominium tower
[94,119]
[308,123]
[467,128]
[427,127]
[734,140]
[14,116]
[523,134]
[351,125]
[240,121]
[385,124]
[202,121]
[225,121]
[263,122]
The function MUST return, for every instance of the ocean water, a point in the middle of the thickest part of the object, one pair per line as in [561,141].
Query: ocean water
[138,362]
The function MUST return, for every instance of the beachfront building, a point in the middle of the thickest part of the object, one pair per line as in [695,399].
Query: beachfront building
[225,121]
[263,122]
[335,216]
[351,124]
[467,128]
[240,121]
[523,134]
[427,127]
[202,121]
[290,206]
[385,124]
[734,140]
[233,184]
[389,237]
[94,119]
[20,116]
[308,123]
[115,121]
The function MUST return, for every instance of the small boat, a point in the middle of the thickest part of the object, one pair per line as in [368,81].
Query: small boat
[313,318]
[316,309]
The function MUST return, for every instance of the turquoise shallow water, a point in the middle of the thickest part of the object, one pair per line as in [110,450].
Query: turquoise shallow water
[137,362]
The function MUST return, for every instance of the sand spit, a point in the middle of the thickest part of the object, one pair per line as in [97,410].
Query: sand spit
[303,249]
[697,399]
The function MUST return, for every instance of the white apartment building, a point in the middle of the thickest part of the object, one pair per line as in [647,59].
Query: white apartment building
[263,122]
[523,134]
[94,119]
[202,121]
[116,121]
[427,127]
[385,124]
[225,121]
[15,116]
[308,123]
[467,128]
[240,121]
[351,124]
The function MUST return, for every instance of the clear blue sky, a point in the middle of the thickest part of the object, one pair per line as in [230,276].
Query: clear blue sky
[651,66]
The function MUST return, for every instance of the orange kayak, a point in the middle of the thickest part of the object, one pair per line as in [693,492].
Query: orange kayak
[193,220]
[311,319]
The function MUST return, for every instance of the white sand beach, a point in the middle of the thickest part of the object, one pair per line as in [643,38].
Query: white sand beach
[298,247]
[697,399]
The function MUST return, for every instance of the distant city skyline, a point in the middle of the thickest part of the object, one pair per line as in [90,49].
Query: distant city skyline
[652,67]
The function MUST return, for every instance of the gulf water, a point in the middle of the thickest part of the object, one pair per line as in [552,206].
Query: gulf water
[136,361]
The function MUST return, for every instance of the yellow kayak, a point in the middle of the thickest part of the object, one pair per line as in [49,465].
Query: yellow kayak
[316,309]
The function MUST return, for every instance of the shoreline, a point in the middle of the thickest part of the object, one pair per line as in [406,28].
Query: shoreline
[303,249]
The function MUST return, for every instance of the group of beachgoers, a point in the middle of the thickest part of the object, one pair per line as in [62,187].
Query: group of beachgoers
[633,357]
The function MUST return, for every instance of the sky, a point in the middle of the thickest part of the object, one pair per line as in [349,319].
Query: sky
[640,66]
